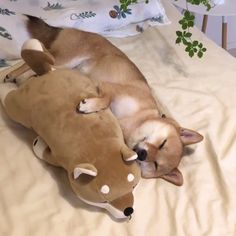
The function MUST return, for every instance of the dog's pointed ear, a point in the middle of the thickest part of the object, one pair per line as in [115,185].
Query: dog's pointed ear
[189,136]
[37,57]
[175,177]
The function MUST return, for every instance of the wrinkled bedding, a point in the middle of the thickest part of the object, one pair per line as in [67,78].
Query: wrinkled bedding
[36,199]
[105,17]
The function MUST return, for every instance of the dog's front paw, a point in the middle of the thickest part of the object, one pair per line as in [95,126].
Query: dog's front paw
[9,79]
[87,106]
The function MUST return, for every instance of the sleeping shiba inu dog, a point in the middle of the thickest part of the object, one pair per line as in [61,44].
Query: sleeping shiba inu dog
[159,141]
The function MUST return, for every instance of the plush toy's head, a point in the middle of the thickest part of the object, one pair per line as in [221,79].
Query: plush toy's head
[101,168]
[107,183]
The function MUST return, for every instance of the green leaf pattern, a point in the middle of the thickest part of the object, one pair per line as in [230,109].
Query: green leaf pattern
[6,12]
[3,63]
[53,6]
[4,33]
[120,11]
[158,19]
[82,15]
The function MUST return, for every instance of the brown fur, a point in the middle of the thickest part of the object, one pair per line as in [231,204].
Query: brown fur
[119,79]
[45,33]
[92,142]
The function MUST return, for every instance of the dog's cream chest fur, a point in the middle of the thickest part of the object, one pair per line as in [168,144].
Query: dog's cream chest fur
[124,106]
[75,62]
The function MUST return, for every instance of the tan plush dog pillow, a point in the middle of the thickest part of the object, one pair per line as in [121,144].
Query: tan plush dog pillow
[90,147]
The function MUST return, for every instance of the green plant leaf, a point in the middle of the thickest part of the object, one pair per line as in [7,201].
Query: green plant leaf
[123,7]
[187,14]
[200,54]
[191,53]
[190,23]
[185,37]
[184,26]
[179,33]
[187,49]
[192,17]
[178,40]
[185,42]
[188,35]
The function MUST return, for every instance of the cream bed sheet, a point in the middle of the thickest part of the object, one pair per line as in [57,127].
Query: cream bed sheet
[36,200]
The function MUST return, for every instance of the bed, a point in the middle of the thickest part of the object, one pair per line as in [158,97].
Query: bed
[36,199]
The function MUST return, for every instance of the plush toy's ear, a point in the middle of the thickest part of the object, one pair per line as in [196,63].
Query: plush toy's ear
[174,177]
[128,154]
[37,57]
[84,168]
[188,136]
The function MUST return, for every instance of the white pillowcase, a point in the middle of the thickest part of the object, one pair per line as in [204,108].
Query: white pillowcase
[100,16]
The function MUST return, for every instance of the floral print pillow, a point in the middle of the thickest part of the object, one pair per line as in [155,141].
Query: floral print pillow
[105,17]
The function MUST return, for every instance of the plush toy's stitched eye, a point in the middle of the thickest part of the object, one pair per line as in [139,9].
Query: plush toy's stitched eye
[162,144]
[130,177]
[105,189]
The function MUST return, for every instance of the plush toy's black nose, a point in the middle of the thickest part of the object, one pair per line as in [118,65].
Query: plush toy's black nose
[142,154]
[128,211]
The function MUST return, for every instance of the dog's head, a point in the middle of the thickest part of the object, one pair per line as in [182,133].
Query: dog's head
[162,142]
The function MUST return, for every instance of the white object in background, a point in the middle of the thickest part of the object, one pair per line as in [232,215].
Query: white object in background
[105,17]
[218,2]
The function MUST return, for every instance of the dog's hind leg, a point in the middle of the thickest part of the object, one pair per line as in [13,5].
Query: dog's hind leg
[15,74]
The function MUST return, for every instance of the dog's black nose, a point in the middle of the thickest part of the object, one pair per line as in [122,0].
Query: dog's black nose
[142,154]
[128,211]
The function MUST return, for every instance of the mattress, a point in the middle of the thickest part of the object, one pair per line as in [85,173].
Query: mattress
[36,199]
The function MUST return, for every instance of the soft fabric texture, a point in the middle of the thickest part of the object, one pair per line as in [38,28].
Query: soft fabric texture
[217,2]
[36,199]
[99,16]
[90,147]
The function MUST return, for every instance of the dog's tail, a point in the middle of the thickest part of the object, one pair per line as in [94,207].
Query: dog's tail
[40,30]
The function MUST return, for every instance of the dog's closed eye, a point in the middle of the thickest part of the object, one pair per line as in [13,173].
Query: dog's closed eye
[162,144]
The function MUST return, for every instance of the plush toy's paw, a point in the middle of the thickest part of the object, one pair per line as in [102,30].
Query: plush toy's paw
[39,146]
[6,88]
[88,105]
